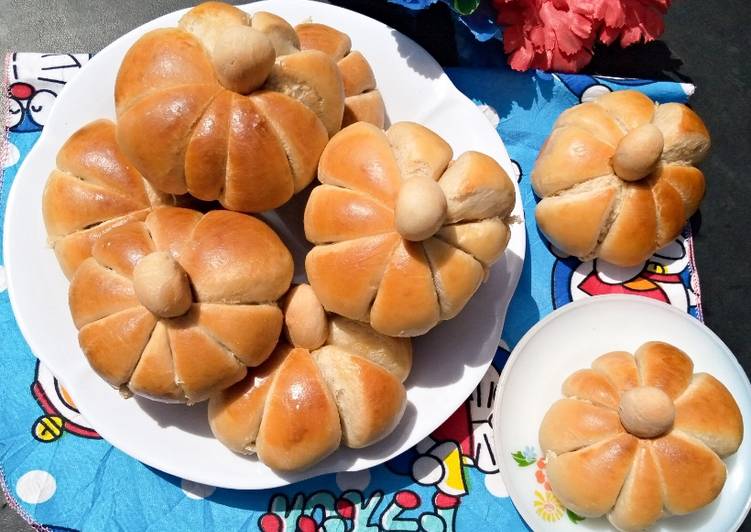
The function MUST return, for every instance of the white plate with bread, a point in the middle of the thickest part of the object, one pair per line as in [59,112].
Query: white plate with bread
[448,362]
[651,440]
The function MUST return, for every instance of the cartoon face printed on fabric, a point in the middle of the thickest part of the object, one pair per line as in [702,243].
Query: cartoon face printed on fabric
[464,440]
[35,81]
[60,412]
[664,277]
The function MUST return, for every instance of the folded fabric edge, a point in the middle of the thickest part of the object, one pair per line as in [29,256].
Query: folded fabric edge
[693,272]
[16,506]
[4,110]
[4,114]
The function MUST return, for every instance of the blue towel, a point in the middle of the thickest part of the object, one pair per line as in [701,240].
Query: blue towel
[59,474]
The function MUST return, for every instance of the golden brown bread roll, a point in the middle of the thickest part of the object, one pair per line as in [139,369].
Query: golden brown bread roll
[362,100]
[299,406]
[639,437]
[175,307]
[404,237]
[93,189]
[616,177]
[227,107]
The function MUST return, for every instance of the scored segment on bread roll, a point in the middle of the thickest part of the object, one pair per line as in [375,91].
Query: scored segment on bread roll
[301,404]
[234,107]
[616,177]
[176,306]
[403,236]
[639,437]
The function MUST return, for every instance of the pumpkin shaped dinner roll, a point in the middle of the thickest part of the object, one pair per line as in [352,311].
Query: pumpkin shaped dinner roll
[301,405]
[403,236]
[175,307]
[93,188]
[640,437]
[227,107]
[362,99]
[617,177]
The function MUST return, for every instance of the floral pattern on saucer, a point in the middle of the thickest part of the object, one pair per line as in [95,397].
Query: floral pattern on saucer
[546,504]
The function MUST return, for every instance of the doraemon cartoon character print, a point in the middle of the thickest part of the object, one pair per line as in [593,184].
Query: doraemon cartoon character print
[35,81]
[60,414]
[666,277]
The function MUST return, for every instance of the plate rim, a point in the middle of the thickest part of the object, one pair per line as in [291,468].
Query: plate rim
[573,307]
[512,284]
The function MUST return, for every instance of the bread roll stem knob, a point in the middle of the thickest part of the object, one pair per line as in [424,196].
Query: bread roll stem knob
[638,152]
[305,322]
[243,58]
[161,285]
[420,208]
[646,412]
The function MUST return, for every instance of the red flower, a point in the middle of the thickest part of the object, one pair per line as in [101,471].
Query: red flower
[560,34]
[632,21]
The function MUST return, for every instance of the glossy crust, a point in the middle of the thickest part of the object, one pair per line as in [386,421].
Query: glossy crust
[631,218]
[237,268]
[362,100]
[299,406]
[362,267]
[300,422]
[595,467]
[93,189]
[186,132]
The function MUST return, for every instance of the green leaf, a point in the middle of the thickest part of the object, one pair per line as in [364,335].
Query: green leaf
[574,518]
[466,7]
[521,460]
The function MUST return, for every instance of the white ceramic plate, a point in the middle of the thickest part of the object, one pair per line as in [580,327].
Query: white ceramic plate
[449,362]
[570,339]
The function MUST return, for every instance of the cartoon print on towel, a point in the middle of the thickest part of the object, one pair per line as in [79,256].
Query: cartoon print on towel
[665,277]
[353,512]
[463,441]
[35,81]
[60,412]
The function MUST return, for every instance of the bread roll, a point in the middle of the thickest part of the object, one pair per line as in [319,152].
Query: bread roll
[299,406]
[175,307]
[403,237]
[639,434]
[616,177]
[227,107]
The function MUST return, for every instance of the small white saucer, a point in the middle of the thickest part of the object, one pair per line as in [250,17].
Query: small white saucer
[570,339]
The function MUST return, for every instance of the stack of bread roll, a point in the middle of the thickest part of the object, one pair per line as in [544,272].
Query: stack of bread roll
[180,295]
